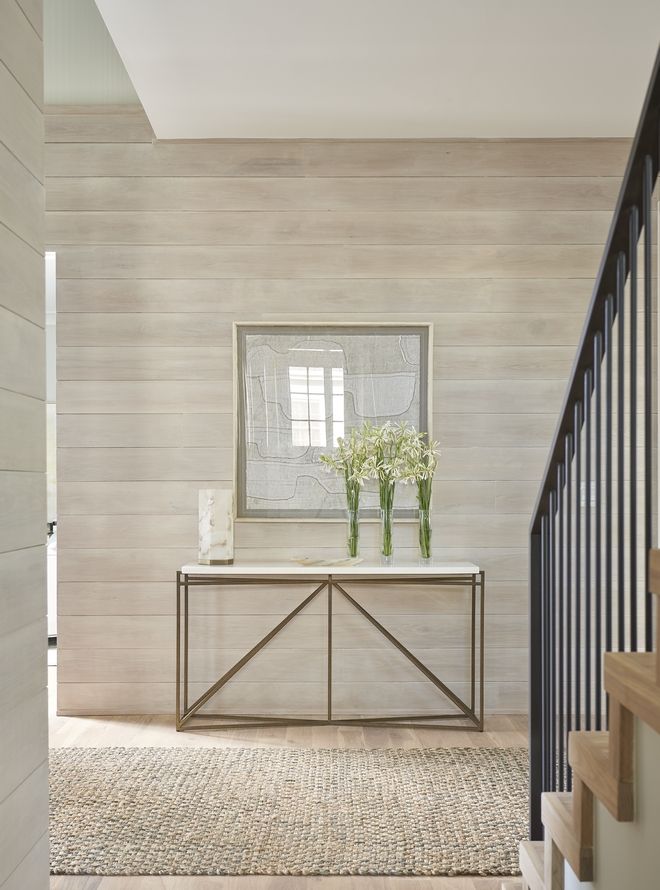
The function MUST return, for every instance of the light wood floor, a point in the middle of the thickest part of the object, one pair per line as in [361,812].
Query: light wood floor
[501,731]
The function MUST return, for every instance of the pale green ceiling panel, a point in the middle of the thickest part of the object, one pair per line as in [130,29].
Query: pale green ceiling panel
[81,64]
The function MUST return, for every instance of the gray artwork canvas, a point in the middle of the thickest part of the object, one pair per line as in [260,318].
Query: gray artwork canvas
[300,388]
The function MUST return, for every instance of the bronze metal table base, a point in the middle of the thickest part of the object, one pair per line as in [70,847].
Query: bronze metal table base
[188,714]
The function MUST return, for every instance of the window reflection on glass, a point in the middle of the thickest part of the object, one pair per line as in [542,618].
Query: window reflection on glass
[307,389]
[337,404]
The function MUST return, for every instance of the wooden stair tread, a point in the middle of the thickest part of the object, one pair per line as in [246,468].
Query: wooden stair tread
[589,756]
[558,818]
[531,864]
[512,885]
[631,678]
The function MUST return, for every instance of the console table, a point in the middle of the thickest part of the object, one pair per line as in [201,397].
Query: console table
[331,579]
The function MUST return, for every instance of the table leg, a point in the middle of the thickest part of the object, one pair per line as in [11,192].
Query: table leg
[329,697]
[185,644]
[178,651]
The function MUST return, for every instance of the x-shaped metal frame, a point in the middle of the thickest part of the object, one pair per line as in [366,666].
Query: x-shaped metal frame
[187,714]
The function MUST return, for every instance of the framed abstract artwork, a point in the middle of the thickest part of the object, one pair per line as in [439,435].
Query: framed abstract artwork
[301,387]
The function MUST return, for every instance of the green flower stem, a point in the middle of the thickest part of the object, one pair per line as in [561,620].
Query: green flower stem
[386,512]
[425,534]
[353,533]
[353,505]
[424,491]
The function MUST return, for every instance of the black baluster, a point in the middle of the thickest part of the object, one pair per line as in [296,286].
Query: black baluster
[647,191]
[620,407]
[598,644]
[632,248]
[536,742]
[587,548]
[545,635]
[578,564]
[609,503]
[561,782]
[568,460]
[552,673]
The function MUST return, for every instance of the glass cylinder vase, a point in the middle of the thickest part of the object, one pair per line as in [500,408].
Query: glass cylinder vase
[353,539]
[425,532]
[386,520]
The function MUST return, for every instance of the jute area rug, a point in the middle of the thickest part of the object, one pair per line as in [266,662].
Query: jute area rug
[278,811]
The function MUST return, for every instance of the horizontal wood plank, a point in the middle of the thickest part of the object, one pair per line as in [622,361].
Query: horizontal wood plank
[145,397]
[215,363]
[22,510]
[88,363]
[21,200]
[31,870]
[22,442]
[177,193]
[181,531]
[363,158]
[330,261]
[21,277]
[21,50]
[158,598]
[22,586]
[438,157]
[141,430]
[22,125]
[22,663]
[158,698]
[278,665]
[23,741]
[306,631]
[309,227]
[33,10]
[492,295]
[179,498]
[77,566]
[214,329]
[100,124]
[18,339]
[23,820]
[144,464]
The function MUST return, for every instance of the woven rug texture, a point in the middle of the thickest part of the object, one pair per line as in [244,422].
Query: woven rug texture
[287,811]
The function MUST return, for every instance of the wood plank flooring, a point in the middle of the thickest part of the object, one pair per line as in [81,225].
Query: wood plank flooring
[501,731]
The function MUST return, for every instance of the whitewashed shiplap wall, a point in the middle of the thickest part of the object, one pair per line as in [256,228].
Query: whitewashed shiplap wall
[161,246]
[23,697]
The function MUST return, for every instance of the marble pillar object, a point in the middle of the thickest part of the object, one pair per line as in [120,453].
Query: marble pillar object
[216,526]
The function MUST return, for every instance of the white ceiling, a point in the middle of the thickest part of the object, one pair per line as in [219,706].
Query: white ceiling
[387,68]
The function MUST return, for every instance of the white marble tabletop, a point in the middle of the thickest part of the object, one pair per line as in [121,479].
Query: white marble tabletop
[271,569]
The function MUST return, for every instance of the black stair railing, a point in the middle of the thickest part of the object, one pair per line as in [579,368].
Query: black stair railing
[594,515]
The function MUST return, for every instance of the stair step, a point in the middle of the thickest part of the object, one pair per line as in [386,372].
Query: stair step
[571,829]
[631,678]
[589,755]
[512,885]
[531,864]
